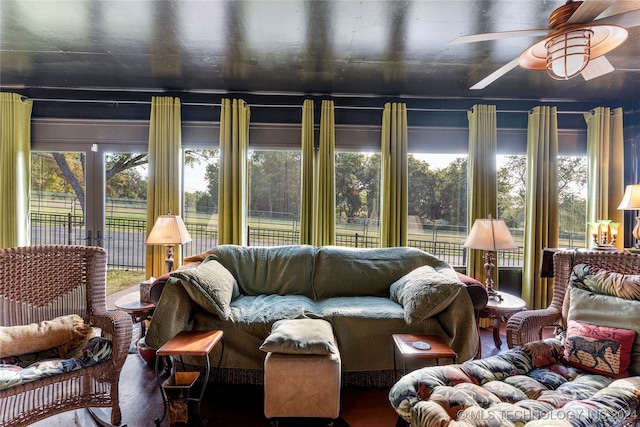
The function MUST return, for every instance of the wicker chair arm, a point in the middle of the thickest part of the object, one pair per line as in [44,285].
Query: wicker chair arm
[526,326]
[116,326]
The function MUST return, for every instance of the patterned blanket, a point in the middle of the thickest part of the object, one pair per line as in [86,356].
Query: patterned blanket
[17,370]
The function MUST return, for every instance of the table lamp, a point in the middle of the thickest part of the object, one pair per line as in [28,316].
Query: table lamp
[489,235]
[169,230]
[631,202]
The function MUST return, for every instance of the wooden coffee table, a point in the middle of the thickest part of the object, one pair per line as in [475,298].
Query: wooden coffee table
[187,343]
[404,344]
[500,310]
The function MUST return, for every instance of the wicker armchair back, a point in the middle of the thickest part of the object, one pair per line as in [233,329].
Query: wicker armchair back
[42,282]
[527,326]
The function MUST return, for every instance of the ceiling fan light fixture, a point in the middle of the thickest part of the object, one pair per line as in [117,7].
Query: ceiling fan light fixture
[568,53]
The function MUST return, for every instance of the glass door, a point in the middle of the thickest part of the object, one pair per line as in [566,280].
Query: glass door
[91,197]
[58,198]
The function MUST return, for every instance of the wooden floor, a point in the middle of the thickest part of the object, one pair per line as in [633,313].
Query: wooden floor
[239,406]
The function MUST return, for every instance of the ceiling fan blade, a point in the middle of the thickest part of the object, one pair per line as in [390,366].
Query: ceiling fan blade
[626,19]
[495,75]
[496,36]
[588,11]
[597,67]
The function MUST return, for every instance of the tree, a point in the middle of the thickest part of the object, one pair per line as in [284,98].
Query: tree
[212,176]
[512,188]
[421,190]
[116,164]
[349,187]
[451,192]
[370,180]
[275,182]
[572,182]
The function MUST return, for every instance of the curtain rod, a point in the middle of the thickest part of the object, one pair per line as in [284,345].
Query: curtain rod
[337,107]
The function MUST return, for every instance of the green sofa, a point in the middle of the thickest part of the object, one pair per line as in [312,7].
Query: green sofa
[366,294]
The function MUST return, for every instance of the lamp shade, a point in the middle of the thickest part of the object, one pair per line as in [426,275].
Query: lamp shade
[168,230]
[490,235]
[631,198]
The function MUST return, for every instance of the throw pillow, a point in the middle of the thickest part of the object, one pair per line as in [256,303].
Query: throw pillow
[300,336]
[599,349]
[606,310]
[211,286]
[62,332]
[424,292]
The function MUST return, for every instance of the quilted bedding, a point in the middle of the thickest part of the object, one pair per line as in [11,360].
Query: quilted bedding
[528,385]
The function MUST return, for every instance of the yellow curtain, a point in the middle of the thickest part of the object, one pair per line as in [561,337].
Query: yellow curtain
[233,185]
[482,187]
[15,170]
[307,174]
[541,211]
[394,176]
[605,151]
[325,202]
[164,188]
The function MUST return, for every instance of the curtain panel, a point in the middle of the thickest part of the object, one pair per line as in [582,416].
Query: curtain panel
[482,198]
[605,171]
[325,202]
[233,184]
[541,209]
[15,170]
[394,205]
[307,174]
[164,188]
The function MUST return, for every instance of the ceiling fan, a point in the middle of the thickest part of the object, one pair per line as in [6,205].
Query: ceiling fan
[574,43]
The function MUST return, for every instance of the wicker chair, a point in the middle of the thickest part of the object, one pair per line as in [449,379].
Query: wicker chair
[41,282]
[527,326]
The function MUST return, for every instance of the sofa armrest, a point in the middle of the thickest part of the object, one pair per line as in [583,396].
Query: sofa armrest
[174,313]
[476,290]
[155,290]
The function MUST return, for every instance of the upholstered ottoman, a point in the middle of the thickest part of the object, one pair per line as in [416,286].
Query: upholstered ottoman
[302,371]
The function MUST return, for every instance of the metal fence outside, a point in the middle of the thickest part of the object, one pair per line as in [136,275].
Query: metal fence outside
[124,239]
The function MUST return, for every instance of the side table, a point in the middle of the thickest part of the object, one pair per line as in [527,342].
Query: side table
[138,310]
[500,310]
[186,343]
[404,344]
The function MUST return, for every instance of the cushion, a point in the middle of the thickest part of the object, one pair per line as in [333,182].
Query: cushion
[281,270]
[366,271]
[300,336]
[28,368]
[211,286]
[424,292]
[605,310]
[606,282]
[598,349]
[63,332]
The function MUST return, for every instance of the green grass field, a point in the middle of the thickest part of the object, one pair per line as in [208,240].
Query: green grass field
[118,280]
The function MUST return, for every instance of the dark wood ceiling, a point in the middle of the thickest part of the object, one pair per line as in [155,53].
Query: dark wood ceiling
[362,48]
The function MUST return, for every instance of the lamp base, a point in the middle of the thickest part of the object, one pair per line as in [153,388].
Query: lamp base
[168,262]
[488,270]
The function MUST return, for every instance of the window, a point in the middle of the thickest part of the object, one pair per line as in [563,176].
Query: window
[572,195]
[438,204]
[200,199]
[274,197]
[357,199]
